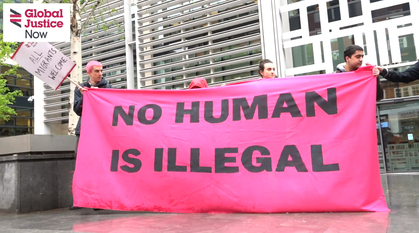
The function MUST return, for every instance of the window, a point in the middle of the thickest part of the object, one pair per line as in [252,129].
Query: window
[391,12]
[303,55]
[400,133]
[22,122]
[294,19]
[355,8]
[333,11]
[338,46]
[407,91]
[314,20]
[407,48]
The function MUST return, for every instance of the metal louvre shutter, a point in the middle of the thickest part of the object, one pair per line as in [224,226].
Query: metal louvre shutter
[105,44]
[180,40]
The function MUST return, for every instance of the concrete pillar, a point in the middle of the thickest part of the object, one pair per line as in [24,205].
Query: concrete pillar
[271,31]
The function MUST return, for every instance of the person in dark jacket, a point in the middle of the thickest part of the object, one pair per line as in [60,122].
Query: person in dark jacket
[354,56]
[94,70]
[406,76]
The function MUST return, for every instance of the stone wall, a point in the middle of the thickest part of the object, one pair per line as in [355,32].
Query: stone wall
[36,172]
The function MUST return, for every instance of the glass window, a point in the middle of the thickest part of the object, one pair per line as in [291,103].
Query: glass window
[302,55]
[23,73]
[338,46]
[4,68]
[24,122]
[407,48]
[384,121]
[24,113]
[333,11]
[4,132]
[294,20]
[11,80]
[355,8]
[314,20]
[26,92]
[400,134]
[391,12]
[10,122]
[21,131]
[404,91]
[415,90]
[312,73]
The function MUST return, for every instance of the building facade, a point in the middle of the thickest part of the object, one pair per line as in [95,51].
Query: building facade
[314,36]
[23,121]
[159,44]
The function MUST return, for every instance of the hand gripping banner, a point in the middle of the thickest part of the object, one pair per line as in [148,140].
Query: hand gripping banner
[304,144]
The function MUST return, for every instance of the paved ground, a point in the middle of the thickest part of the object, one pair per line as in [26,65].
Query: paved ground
[399,220]
[401,190]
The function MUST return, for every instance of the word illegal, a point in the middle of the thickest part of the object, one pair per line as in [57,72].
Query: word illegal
[225,160]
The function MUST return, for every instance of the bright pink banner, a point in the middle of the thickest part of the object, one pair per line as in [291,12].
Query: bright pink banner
[305,144]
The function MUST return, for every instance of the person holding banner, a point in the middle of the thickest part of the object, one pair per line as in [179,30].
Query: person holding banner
[406,76]
[94,70]
[267,69]
[354,56]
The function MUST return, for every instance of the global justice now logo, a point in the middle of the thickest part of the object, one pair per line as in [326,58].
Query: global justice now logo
[36,22]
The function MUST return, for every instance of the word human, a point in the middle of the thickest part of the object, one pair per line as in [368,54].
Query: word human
[225,160]
[285,103]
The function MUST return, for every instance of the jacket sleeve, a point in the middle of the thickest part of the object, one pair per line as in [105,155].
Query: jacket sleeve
[78,101]
[380,92]
[406,76]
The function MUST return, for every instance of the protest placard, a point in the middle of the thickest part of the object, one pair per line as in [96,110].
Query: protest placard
[44,61]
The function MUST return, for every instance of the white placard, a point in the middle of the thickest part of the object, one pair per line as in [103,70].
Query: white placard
[36,22]
[44,61]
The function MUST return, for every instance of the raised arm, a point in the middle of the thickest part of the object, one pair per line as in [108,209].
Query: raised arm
[406,76]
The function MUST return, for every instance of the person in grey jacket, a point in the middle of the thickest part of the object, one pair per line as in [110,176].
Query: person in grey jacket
[354,56]
[94,70]
[406,76]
